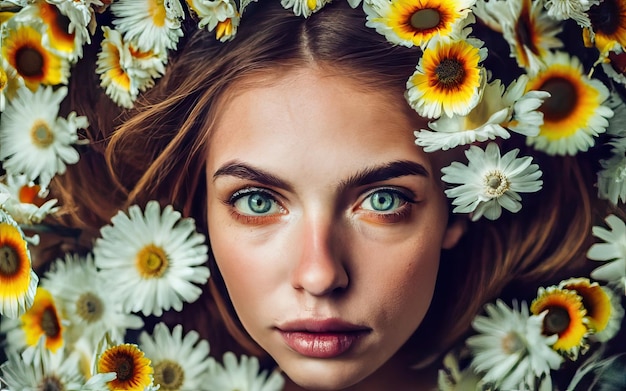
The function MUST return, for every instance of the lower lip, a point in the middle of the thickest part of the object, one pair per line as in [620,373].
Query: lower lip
[321,345]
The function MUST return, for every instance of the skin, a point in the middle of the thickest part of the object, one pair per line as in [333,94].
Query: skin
[318,245]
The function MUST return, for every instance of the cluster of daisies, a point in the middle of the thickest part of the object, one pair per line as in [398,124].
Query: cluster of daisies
[67,329]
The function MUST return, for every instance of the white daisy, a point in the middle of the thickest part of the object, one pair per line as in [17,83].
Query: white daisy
[510,348]
[151,25]
[612,250]
[491,182]
[18,281]
[577,111]
[415,22]
[220,16]
[496,113]
[124,71]
[26,202]
[83,295]
[530,32]
[244,375]
[43,371]
[33,140]
[180,363]
[304,7]
[571,9]
[454,378]
[152,260]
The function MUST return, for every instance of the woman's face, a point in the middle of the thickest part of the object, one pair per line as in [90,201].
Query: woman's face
[326,222]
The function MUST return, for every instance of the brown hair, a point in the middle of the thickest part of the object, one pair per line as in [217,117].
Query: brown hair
[157,151]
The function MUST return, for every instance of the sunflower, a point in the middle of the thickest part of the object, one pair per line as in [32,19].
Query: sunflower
[43,320]
[58,35]
[133,369]
[575,112]
[530,32]
[608,26]
[415,22]
[565,317]
[596,301]
[447,79]
[152,259]
[18,282]
[24,51]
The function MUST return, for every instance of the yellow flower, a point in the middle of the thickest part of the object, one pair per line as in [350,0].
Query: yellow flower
[565,317]
[574,113]
[43,319]
[24,51]
[132,368]
[415,22]
[596,301]
[447,79]
[18,282]
[58,35]
[608,22]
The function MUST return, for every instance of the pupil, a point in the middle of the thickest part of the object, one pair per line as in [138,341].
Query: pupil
[259,203]
[382,201]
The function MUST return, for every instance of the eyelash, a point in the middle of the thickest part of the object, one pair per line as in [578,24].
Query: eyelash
[400,213]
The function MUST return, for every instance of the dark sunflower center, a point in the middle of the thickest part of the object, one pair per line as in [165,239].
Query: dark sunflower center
[563,99]
[524,32]
[50,323]
[425,19]
[169,375]
[556,321]
[89,307]
[605,17]
[124,367]
[50,383]
[62,21]
[450,72]
[9,261]
[29,62]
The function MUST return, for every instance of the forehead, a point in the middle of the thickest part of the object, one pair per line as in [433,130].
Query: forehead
[310,116]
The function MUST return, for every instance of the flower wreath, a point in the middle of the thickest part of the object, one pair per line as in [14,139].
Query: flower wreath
[65,331]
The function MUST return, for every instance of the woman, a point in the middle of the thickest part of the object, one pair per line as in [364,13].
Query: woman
[333,248]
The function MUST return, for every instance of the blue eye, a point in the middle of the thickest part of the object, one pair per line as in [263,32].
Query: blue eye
[255,202]
[384,201]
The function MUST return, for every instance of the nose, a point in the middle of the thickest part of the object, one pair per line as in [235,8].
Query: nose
[320,269]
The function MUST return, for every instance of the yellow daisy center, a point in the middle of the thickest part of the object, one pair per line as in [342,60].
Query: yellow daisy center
[152,261]
[311,4]
[565,317]
[128,362]
[156,9]
[169,375]
[496,183]
[89,307]
[14,262]
[41,134]
[511,343]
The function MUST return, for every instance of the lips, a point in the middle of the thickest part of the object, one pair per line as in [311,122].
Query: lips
[321,338]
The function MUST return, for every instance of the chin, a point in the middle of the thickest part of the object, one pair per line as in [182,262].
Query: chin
[325,375]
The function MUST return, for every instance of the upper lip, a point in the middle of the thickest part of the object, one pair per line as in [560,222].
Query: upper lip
[327,325]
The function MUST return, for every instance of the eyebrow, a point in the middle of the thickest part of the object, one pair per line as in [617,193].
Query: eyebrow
[365,177]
